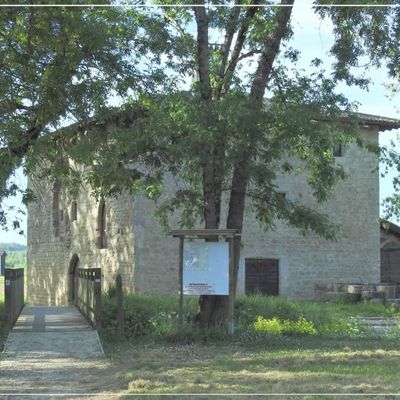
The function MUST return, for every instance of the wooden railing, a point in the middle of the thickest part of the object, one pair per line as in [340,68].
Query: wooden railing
[13,295]
[88,294]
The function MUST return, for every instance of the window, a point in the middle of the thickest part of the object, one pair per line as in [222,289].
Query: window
[101,226]
[262,276]
[74,211]
[56,207]
[338,150]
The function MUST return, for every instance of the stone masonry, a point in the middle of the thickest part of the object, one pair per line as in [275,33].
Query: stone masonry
[147,258]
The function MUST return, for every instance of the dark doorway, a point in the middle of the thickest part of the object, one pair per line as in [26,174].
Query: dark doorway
[72,271]
[390,265]
[262,276]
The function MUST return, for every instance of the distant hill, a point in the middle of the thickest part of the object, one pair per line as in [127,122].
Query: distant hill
[16,254]
[12,247]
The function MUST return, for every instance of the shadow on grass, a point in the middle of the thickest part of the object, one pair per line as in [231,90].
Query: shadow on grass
[280,365]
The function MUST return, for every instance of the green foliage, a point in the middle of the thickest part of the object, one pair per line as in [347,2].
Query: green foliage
[155,318]
[276,326]
[16,259]
[64,64]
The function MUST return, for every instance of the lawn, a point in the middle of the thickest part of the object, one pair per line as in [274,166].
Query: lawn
[324,351]
[280,365]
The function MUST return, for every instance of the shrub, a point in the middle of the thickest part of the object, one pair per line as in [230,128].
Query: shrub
[145,315]
[273,325]
[276,326]
[156,318]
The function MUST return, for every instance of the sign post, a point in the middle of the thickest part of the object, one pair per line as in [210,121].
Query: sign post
[206,267]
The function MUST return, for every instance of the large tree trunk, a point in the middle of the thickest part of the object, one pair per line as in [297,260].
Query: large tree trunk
[214,309]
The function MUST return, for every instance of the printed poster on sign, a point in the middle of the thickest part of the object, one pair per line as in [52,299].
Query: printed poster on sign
[205,268]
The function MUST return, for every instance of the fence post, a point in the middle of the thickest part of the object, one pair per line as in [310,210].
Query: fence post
[120,306]
[97,297]
[7,298]
[13,295]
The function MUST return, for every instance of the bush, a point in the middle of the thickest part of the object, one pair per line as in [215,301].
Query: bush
[276,326]
[156,318]
[145,315]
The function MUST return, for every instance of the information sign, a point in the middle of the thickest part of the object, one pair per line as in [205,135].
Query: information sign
[206,268]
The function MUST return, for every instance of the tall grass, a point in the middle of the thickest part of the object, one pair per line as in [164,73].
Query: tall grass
[156,317]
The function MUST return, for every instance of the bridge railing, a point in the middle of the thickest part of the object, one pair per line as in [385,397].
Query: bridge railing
[13,295]
[88,294]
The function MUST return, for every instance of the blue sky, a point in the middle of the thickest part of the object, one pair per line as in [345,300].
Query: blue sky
[313,38]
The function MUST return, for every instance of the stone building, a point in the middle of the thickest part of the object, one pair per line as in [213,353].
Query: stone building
[121,236]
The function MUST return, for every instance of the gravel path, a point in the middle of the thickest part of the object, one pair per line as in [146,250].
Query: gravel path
[53,353]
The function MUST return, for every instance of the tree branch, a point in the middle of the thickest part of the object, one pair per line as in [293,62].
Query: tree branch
[202,50]
[272,42]
[230,32]
[241,37]
[249,54]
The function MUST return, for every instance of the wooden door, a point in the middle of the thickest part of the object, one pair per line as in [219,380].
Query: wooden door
[262,276]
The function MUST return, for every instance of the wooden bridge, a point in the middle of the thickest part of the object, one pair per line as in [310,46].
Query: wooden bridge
[26,323]
[53,350]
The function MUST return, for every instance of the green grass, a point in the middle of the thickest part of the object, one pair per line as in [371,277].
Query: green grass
[332,357]
[156,317]
[280,365]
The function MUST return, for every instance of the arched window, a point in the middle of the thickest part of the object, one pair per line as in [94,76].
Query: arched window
[101,225]
[56,206]
[74,211]
[72,274]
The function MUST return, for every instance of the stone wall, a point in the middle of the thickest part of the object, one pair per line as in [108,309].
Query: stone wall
[303,261]
[306,261]
[51,245]
[147,257]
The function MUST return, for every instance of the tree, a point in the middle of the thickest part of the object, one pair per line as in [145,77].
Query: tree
[64,64]
[220,137]
[227,140]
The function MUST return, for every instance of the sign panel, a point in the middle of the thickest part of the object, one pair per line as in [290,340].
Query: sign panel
[206,268]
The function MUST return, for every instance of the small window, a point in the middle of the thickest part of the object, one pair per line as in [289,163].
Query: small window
[74,211]
[338,150]
[101,226]
[56,207]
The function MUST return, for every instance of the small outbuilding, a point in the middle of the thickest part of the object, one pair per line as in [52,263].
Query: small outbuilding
[390,252]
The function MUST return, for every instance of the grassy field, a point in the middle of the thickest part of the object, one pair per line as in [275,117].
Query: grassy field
[280,365]
[324,351]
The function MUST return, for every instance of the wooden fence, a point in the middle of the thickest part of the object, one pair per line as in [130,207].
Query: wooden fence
[88,294]
[13,295]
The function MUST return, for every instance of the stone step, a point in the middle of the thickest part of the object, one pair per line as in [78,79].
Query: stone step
[380,324]
[394,300]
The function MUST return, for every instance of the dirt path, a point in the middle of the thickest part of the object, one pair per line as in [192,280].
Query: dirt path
[52,351]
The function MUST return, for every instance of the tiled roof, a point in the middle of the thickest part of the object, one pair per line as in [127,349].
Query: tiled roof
[390,227]
[383,123]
